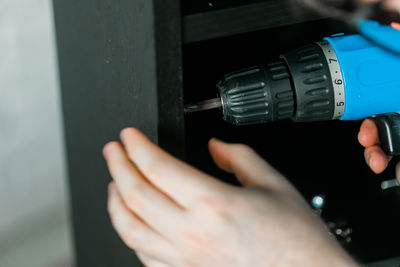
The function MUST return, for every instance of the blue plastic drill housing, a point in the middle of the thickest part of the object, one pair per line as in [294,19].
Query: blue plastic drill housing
[371,75]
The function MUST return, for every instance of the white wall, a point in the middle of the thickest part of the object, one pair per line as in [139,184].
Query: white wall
[34,228]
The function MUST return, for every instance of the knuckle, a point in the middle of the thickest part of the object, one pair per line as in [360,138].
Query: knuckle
[193,239]
[150,171]
[139,185]
[197,245]
[215,201]
[118,166]
[112,205]
[152,167]
[216,206]
[133,199]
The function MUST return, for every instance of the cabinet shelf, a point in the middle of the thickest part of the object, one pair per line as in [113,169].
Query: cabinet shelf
[243,19]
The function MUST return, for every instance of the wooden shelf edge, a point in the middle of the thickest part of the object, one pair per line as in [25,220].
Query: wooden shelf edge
[242,19]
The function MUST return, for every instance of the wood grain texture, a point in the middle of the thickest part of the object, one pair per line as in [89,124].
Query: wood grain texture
[114,73]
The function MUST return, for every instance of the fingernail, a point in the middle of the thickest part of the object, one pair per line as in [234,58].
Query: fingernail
[107,150]
[123,133]
[128,132]
[218,140]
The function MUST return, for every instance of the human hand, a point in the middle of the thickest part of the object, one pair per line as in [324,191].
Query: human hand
[376,159]
[172,214]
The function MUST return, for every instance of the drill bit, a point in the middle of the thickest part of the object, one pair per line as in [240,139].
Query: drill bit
[204,105]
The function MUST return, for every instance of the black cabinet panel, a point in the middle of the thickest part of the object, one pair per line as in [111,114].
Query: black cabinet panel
[120,66]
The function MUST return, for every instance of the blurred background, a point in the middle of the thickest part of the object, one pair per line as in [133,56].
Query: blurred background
[34,220]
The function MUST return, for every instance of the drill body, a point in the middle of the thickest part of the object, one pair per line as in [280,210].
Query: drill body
[371,77]
[341,77]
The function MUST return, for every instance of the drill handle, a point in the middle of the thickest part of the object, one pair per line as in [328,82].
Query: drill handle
[389,132]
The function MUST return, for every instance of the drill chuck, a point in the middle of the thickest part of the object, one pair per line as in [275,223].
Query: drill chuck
[257,95]
[298,86]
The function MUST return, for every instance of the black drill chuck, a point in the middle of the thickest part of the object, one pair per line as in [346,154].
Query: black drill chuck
[257,95]
[298,86]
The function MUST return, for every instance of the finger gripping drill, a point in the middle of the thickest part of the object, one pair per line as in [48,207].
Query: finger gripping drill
[341,77]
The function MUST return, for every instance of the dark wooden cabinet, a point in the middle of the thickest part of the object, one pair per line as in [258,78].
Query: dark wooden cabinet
[120,65]
[136,63]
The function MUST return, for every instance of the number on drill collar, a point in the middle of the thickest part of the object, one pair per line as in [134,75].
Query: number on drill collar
[337,78]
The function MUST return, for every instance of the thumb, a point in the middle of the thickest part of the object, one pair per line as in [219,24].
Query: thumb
[250,169]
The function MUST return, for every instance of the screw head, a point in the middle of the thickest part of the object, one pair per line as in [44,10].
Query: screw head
[318,202]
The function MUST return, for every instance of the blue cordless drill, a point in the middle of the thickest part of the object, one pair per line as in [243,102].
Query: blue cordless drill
[342,77]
